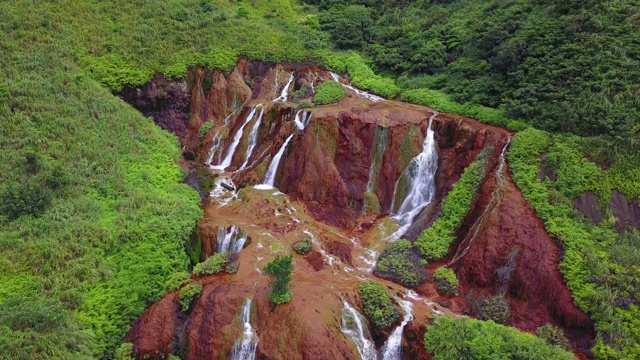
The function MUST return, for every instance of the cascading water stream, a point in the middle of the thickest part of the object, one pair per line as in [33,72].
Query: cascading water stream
[491,206]
[245,347]
[363,94]
[226,162]
[354,326]
[231,241]
[419,178]
[392,348]
[303,120]
[284,94]
[253,139]
[215,145]
[270,176]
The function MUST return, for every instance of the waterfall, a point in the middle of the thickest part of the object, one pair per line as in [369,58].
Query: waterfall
[215,145]
[253,139]
[231,241]
[491,206]
[363,94]
[245,347]
[302,121]
[270,176]
[419,178]
[354,326]
[236,140]
[285,91]
[392,348]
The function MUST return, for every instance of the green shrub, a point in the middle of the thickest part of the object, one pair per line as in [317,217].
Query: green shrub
[303,247]
[124,352]
[328,92]
[212,265]
[456,338]
[4,92]
[176,280]
[302,92]
[446,281]
[232,268]
[204,129]
[188,294]
[17,200]
[280,268]
[434,242]
[378,304]
[494,308]
[364,78]
[401,263]
[554,336]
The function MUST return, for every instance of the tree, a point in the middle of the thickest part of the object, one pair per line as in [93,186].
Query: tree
[280,268]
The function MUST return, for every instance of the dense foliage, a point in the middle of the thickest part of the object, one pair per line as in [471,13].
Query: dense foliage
[553,336]
[435,241]
[212,265]
[400,262]
[600,266]
[378,304]
[303,247]
[446,281]
[188,294]
[328,92]
[464,338]
[568,66]
[280,268]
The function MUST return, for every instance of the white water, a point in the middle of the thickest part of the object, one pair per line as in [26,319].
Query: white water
[392,348]
[245,347]
[493,203]
[231,241]
[420,179]
[285,91]
[363,94]
[354,326]
[226,162]
[270,176]
[302,121]
[253,139]
[215,145]
[219,193]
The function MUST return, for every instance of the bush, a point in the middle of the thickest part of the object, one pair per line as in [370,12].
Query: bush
[494,308]
[212,265]
[4,92]
[303,247]
[280,268]
[204,128]
[554,336]
[302,92]
[188,294]
[124,352]
[17,200]
[401,263]
[328,92]
[177,280]
[232,268]
[451,338]
[378,304]
[446,281]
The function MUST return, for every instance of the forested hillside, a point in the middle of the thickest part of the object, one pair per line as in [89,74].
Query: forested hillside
[568,66]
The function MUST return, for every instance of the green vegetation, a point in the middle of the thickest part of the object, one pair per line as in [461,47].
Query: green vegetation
[600,266]
[463,338]
[176,280]
[401,263]
[569,66]
[205,128]
[303,247]
[212,265]
[434,242]
[554,336]
[446,281]
[124,352]
[188,294]
[378,304]
[280,268]
[493,308]
[301,93]
[328,92]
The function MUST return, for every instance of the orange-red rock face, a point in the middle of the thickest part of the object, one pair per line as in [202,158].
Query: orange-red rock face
[324,172]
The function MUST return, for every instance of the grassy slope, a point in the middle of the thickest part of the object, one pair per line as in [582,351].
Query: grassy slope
[74,275]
